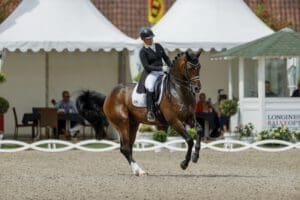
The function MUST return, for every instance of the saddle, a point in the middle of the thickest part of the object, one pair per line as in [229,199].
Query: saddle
[139,96]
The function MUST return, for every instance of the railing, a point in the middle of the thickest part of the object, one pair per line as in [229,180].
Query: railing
[145,145]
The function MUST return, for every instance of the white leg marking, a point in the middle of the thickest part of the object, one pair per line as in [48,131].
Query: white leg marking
[136,169]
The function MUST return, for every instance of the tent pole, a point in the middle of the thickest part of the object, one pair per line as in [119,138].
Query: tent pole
[46,78]
[121,67]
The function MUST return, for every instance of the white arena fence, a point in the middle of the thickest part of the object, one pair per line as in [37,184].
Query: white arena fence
[226,145]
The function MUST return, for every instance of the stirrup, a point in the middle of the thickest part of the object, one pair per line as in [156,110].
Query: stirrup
[150,116]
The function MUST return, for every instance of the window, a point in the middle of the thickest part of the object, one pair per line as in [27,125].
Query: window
[250,77]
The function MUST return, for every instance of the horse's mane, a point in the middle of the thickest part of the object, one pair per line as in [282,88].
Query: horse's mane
[191,57]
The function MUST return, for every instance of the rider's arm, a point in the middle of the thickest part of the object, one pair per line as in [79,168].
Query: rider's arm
[149,68]
[165,57]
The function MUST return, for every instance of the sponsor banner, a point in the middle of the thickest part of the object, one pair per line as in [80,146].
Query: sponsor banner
[277,118]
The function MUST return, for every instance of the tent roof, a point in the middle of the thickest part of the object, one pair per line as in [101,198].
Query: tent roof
[284,43]
[208,24]
[60,25]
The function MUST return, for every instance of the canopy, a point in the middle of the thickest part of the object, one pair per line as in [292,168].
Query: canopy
[208,24]
[60,25]
[285,43]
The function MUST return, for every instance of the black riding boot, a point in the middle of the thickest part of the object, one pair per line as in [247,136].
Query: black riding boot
[150,107]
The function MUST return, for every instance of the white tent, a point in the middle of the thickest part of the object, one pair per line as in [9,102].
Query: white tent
[208,24]
[212,25]
[55,45]
[60,25]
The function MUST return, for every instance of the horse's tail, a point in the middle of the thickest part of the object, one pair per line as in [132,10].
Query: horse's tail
[90,106]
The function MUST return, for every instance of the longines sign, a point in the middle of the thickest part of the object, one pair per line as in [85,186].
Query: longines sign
[289,118]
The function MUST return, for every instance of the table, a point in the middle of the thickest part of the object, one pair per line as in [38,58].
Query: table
[68,117]
[209,121]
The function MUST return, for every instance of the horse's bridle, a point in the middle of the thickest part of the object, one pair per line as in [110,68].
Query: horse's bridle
[189,83]
[191,80]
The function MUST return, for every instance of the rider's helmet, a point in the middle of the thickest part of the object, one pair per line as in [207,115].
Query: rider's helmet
[146,33]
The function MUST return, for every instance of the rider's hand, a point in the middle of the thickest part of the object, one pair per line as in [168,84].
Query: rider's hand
[165,69]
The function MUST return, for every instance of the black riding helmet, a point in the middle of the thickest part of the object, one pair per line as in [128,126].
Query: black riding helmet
[146,32]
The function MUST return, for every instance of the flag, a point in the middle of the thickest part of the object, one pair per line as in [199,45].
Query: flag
[156,9]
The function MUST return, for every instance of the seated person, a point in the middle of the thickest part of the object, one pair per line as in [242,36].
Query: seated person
[66,105]
[223,120]
[202,106]
[268,91]
[296,93]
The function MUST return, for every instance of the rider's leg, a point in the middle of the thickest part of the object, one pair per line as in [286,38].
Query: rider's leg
[149,84]
[150,107]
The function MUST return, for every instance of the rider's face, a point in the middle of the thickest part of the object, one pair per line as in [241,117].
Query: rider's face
[148,41]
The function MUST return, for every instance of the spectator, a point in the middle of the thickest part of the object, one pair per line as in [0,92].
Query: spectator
[223,120]
[203,105]
[296,92]
[268,90]
[66,105]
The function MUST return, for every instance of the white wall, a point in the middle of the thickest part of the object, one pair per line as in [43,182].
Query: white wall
[78,71]
[25,86]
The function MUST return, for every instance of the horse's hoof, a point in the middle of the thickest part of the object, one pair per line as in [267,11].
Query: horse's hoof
[183,165]
[141,173]
[195,157]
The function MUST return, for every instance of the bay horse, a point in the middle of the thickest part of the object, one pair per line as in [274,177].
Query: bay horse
[177,107]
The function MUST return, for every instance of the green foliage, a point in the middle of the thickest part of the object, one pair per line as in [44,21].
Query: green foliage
[297,135]
[4,105]
[244,131]
[160,136]
[279,133]
[228,107]
[171,132]
[146,128]
[2,77]
[137,77]
[192,132]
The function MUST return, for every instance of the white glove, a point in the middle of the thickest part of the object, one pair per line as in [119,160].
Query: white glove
[165,69]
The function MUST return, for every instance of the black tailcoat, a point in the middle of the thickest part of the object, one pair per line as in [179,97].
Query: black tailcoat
[151,61]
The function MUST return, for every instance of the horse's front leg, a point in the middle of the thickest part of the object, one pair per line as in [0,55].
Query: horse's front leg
[179,127]
[199,130]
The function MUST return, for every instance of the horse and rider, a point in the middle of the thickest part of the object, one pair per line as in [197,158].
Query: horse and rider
[152,56]
[181,83]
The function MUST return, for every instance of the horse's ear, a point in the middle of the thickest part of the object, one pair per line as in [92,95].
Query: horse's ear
[199,53]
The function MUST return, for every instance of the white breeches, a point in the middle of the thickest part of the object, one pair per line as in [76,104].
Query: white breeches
[151,78]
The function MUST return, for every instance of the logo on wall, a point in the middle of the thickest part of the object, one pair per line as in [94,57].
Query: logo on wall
[156,9]
[277,118]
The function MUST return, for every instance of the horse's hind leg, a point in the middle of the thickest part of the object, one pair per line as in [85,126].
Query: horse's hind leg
[127,138]
[195,155]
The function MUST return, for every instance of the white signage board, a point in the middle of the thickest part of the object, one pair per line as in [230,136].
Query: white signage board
[276,118]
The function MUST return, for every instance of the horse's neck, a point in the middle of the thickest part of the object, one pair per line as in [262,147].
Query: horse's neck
[181,91]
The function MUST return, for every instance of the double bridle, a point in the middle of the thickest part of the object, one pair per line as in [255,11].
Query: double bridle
[189,82]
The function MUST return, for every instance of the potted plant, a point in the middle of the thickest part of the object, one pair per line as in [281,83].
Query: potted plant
[2,77]
[160,136]
[245,132]
[4,105]
[228,107]
[146,131]
[280,133]
[192,132]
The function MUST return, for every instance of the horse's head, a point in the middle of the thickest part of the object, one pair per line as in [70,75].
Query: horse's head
[186,67]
